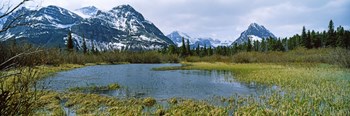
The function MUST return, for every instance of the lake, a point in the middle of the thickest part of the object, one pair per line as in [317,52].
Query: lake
[139,81]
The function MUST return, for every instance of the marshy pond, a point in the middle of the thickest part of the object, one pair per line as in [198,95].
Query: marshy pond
[140,81]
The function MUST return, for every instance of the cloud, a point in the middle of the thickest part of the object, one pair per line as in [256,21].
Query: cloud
[226,19]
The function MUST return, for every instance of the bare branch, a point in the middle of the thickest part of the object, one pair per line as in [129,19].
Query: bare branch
[18,55]
[12,25]
[10,10]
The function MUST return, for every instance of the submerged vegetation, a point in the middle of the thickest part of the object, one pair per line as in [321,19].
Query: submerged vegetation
[94,88]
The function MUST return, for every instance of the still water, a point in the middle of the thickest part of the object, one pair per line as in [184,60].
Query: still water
[139,80]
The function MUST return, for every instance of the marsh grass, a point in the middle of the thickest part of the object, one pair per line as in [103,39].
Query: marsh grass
[308,89]
[94,88]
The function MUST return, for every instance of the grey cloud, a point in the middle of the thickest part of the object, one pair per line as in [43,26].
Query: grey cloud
[228,18]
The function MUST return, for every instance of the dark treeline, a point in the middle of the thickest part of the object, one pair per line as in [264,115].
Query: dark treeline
[309,39]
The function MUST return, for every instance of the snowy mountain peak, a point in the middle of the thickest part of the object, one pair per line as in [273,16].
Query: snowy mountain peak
[87,12]
[127,11]
[254,32]
[120,28]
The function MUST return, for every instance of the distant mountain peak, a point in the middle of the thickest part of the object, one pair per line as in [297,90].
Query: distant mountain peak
[87,12]
[176,37]
[126,7]
[254,32]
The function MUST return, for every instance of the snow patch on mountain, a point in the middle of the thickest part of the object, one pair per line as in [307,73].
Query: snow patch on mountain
[254,38]
[87,12]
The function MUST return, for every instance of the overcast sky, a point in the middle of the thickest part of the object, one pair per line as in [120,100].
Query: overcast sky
[226,19]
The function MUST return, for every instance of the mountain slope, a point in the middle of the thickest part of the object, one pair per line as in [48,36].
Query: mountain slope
[48,25]
[125,26]
[120,28]
[2,20]
[254,32]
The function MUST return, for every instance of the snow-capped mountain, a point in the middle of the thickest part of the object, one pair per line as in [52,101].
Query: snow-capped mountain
[254,32]
[87,12]
[120,28]
[176,37]
[2,20]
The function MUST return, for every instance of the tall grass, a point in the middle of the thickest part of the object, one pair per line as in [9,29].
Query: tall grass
[306,89]
[337,56]
[43,56]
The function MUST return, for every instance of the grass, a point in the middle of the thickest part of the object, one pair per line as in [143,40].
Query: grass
[312,89]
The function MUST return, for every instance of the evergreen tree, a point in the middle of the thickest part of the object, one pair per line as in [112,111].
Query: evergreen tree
[204,51]
[84,45]
[198,49]
[331,38]
[340,37]
[188,47]
[308,40]
[93,47]
[172,49]
[347,39]
[249,45]
[316,39]
[304,38]
[183,47]
[70,45]
[210,51]
[263,45]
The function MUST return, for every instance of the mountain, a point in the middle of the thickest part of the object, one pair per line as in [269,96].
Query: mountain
[176,37]
[120,28]
[87,12]
[254,32]
[49,25]
[2,20]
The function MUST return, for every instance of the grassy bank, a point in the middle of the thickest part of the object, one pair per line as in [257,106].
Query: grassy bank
[19,93]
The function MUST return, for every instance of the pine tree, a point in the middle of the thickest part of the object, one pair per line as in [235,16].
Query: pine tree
[198,49]
[188,47]
[183,47]
[263,45]
[210,51]
[70,45]
[304,38]
[347,39]
[84,45]
[172,49]
[307,41]
[317,39]
[331,39]
[93,47]
[340,37]
[249,45]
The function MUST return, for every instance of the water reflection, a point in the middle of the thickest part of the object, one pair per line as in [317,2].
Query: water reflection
[139,80]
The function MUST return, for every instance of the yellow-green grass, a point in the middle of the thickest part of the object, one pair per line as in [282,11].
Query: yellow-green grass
[313,89]
[113,86]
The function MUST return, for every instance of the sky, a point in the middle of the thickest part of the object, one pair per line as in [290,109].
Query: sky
[226,19]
